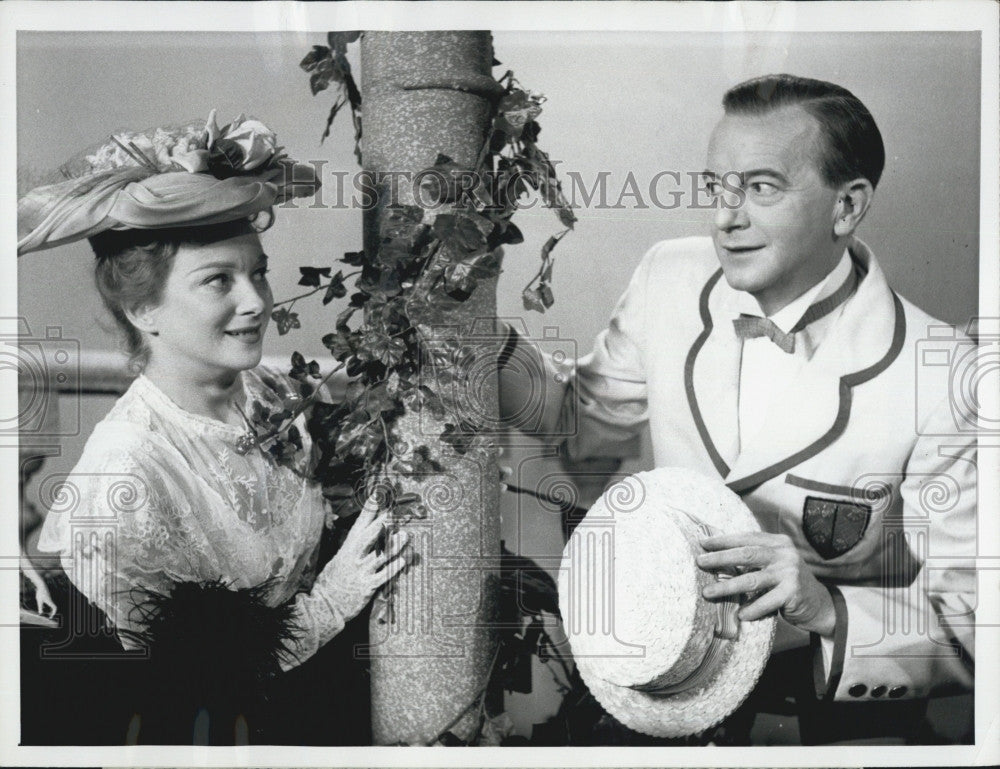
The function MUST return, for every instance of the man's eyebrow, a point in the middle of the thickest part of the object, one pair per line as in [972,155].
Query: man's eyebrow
[764,172]
[744,175]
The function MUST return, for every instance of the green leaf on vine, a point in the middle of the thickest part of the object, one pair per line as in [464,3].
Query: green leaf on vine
[345,316]
[315,58]
[336,289]
[341,343]
[311,275]
[285,320]
[354,258]
[532,299]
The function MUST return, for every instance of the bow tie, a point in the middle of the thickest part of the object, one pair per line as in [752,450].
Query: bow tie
[753,326]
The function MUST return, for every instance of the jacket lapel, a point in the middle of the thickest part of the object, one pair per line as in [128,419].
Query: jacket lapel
[814,409]
[712,375]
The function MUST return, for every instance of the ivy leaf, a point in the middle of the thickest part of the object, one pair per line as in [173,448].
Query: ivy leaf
[545,294]
[285,320]
[566,215]
[311,275]
[336,289]
[512,235]
[345,316]
[341,343]
[463,232]
[354,258]
[379,400]
[278,417]
[516,109]
[460,437]
[402,223]
[322,74]
[532,300]
[315,57]
[424,463]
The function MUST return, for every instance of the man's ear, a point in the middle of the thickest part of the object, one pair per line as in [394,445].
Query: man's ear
[852,204]
[144,319]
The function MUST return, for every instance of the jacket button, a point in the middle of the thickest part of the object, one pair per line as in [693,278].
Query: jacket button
[858,690]
[878,691]
[896,692]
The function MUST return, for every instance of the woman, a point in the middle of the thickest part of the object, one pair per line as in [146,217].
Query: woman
[169,498]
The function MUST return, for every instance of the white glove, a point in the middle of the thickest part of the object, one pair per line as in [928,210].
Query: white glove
[353,575]
[346,584]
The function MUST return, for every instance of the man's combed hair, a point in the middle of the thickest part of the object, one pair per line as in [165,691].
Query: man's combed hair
[854,145]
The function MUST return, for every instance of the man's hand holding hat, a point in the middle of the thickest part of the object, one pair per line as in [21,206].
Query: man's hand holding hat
[768,565]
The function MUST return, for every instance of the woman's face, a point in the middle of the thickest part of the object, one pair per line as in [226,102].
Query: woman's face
[214,309]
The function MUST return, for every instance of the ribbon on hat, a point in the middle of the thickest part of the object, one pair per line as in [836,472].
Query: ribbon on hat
[135,198]
[727,629]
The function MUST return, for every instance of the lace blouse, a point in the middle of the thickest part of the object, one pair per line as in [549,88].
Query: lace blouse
[161,495]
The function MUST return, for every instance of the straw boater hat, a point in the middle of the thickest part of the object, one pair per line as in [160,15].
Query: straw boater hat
[657,656]
[182,176]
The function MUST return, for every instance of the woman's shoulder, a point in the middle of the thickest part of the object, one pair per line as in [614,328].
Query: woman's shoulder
[130,435]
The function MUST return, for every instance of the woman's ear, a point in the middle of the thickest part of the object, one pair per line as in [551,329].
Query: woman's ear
[144,319]
[852,204]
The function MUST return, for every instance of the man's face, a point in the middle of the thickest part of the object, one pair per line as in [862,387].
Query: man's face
[779,242]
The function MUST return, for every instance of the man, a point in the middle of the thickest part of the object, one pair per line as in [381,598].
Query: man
[775,356]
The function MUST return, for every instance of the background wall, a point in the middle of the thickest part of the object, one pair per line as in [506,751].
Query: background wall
[617,103]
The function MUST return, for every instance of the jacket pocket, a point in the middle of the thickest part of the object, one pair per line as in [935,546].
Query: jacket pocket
[835,518]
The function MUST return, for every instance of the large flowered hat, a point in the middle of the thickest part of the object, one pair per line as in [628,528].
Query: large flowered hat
[188,175]
[655,654]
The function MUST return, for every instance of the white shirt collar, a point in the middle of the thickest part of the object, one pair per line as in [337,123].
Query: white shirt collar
[790,314]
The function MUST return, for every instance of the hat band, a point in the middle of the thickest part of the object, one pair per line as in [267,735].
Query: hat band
[727,628]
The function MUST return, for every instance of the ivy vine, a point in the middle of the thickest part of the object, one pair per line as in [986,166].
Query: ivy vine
[421,262]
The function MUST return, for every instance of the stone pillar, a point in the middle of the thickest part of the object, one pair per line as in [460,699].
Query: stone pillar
[425,93]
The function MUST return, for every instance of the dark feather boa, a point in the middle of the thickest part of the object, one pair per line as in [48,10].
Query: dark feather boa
[213,653]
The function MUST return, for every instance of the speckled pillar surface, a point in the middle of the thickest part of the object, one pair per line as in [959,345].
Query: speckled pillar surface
[424,94]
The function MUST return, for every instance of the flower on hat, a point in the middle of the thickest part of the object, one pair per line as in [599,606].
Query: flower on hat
[241,147]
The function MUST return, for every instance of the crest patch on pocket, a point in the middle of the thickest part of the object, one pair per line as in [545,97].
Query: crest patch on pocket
[833,526]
